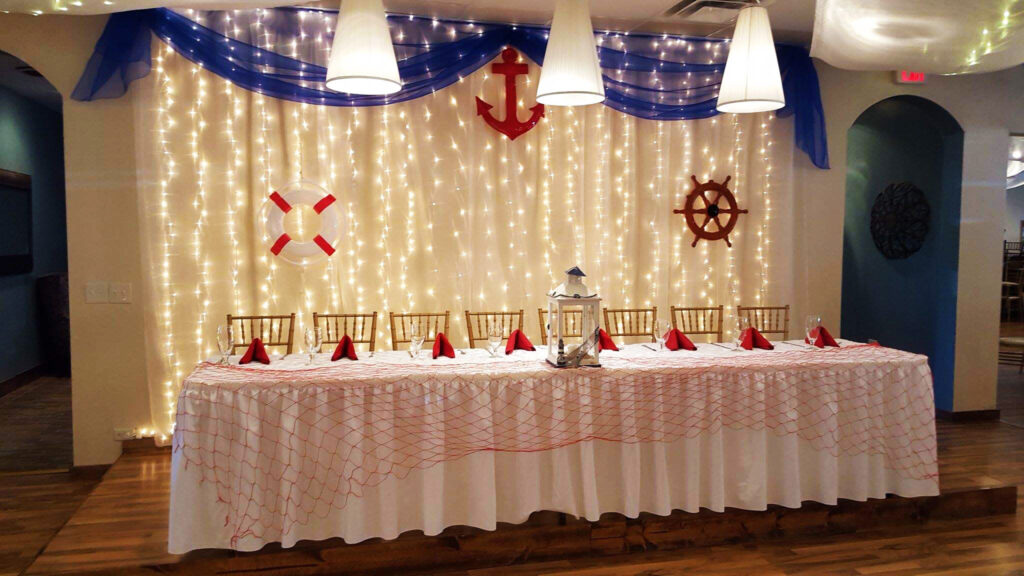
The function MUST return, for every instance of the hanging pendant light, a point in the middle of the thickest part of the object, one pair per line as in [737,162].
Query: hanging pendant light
[571,75]
[362,57]
[751,82]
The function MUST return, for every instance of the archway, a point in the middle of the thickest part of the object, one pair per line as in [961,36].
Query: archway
[904,171]
[35,388]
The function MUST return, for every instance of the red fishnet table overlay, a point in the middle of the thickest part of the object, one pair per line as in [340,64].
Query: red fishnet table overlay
[287,446]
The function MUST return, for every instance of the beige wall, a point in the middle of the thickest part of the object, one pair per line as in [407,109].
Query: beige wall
[988,107]
[108,366]
[107,363]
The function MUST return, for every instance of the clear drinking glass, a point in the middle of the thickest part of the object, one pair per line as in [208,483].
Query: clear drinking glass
[742,323]
[658,333]
[416,337]
[495,334]
[225,342]
[811,327]
[314,340]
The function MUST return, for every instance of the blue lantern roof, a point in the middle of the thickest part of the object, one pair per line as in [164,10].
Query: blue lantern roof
[575,271]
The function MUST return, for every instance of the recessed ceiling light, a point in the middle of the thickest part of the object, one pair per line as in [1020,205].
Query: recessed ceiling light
[108,2]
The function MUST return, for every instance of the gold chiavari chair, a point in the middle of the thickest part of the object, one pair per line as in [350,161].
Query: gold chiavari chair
[271,330]
[361,328]
[432,323]
[696,321]
[572,327]
[478,324]
[630,321]
[767,319]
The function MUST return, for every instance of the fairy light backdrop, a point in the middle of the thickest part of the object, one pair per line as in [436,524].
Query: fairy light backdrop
[440,211]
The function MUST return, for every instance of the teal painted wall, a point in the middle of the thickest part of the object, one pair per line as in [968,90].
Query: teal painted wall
[911,303]
[31,142]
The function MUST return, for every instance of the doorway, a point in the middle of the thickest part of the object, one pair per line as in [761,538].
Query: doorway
[35,366]
[901,232]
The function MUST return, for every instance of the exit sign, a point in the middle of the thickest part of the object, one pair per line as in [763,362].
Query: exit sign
[908,77]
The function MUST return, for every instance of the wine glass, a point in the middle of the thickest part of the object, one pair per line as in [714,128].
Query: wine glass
[225,342]
[495,334]
[742,324]
[314,340]
[811,327]
[416,336]
[659,335]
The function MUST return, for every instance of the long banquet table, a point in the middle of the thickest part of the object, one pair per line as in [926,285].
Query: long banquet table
[387,444]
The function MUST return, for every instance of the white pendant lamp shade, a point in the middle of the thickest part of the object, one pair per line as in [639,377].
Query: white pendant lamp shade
[571,75]
[362,57]
[751,82]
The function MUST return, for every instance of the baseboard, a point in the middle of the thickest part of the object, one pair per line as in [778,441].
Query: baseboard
[15,382]
[967,415]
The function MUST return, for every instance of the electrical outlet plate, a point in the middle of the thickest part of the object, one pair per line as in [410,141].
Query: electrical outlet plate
[97,292]
[120,292]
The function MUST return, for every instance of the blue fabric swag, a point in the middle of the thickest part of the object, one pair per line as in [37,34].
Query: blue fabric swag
[657,77]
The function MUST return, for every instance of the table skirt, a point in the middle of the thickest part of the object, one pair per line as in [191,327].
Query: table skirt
[729,468]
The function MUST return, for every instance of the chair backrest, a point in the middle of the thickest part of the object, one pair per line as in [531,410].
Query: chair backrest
[361,328]
[701,320]
[630,321]
[432,323]
[271,330]
[478,324]
[572,324]
[767,319]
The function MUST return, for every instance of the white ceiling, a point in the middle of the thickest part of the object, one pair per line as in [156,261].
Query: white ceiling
[792,20]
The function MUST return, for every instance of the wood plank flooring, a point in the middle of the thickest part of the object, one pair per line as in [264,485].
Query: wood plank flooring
[123,526]
[33,507]
[35,426]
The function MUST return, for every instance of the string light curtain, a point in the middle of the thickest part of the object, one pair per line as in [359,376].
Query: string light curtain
[657,77]
[440,212]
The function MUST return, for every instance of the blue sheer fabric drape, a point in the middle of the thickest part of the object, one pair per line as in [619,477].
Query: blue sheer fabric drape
[283,53]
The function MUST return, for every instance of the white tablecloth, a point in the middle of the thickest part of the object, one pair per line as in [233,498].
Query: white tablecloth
[387,444]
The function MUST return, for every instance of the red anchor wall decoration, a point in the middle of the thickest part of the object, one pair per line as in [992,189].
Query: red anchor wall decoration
[510,126]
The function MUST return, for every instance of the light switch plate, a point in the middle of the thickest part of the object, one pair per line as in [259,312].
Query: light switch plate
[120,292]
[97,292]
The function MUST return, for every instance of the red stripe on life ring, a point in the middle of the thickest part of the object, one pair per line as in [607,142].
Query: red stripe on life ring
[324,244]
[279,245]
[281,203]
[323,204]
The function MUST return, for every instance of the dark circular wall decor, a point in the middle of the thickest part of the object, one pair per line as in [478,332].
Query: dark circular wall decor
[899,220]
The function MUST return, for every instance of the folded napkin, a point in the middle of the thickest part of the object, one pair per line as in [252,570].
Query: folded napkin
[256,352]
[675,340]
[751,339]
[345,349]
[822,338]
[518,341]
[442,347]
[604,341]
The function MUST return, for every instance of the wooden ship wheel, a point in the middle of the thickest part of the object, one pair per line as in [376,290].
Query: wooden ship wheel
[718,213]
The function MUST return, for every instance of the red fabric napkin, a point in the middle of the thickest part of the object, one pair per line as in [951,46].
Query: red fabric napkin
[822,338]
[605,342]
[442,347]
[751,339]
[675,339]
[518,341]
[256,352]
[345,349]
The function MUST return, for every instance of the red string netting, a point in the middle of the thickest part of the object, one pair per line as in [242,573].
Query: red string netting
[284,447]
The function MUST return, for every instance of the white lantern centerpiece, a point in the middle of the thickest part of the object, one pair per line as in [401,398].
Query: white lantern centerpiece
[573,323]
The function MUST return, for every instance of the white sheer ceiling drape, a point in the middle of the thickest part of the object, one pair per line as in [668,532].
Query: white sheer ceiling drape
[440,211]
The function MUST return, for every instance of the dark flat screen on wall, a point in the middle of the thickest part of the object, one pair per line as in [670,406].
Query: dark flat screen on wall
[15,223]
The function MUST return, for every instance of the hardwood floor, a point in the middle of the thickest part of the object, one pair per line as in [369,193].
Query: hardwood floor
[33,507]
[122,526]
[35,426]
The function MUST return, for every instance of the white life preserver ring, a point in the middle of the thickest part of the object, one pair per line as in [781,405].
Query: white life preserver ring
[281,202]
